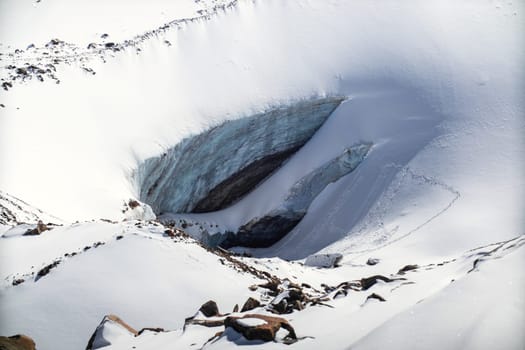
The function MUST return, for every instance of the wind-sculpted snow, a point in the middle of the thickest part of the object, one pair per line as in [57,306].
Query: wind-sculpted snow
[214,169]
[265,231]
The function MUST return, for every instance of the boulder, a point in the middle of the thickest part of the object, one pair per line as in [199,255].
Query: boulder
[372,261]
[17,342]
[250,304]
[259,327]
[210,309]
[324,260]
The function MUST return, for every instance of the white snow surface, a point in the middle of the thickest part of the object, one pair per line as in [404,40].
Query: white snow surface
[435,86]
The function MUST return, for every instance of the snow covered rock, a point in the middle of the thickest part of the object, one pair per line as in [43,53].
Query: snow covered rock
[135,210]
[110,330]
[259,327]
[323,260]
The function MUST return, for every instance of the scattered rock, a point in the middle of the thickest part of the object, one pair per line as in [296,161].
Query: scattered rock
[44,271]
[250,304]
[259,327]
[17,342]
[372,261]
[375,296]
[6,85]
[210,309]
[18,281]
[406,269]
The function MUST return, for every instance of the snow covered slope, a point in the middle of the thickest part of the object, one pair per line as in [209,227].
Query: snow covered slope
[434,86]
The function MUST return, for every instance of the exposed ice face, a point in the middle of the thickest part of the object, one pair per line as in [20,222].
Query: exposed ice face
[212,170]
[302,193]
[265,231]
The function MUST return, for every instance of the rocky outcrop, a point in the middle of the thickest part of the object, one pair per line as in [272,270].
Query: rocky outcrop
[111,327]
[17,342]
[259,327]
[217,167]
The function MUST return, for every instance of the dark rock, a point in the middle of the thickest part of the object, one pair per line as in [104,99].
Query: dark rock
[119,237]
[17,342]
[6,85]
[18,281]
[156,330]
[372,261]
[368,282]
[265,332]
[109,45]
[44,271]
[250,304]
[260,232]
[236,308]
[406,269]
[210,309]
[54,42]
[92,46]
[375,296]
[104,36]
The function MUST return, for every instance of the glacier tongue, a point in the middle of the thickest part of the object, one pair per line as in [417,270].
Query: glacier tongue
[214,169]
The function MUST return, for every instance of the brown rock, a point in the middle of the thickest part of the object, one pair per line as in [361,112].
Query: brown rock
[100,328]
[133,204]
[41,227]
[210,309]
[250,304]
[265,332]
[17,342]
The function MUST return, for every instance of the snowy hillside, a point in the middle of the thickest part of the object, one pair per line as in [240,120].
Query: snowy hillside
[361,160]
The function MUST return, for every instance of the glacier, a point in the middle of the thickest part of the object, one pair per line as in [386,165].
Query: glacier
[267,230]
[212,170]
